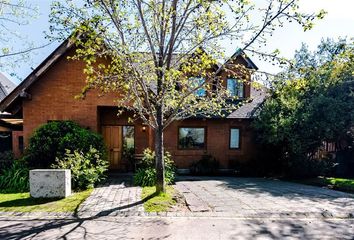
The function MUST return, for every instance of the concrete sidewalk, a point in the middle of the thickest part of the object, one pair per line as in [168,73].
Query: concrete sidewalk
[175,228]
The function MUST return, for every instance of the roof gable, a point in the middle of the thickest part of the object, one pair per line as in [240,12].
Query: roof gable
[20,91]
[11,102]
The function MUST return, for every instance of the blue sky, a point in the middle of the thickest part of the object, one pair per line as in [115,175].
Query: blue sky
[339,22]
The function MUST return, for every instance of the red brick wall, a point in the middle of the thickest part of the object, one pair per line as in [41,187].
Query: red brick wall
[53,98]
[217,141]
[15,143]
[233,66]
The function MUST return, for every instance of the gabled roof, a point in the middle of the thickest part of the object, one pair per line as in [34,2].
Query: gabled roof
[11,102]
[242,55]
[20,91]
[249,109]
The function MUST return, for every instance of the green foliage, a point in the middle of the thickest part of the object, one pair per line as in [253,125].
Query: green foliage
[145,177]
[15,177]
[23,202]
[145,67]
[87,169]
[6,159]
[340,184]
[146,173]
[315,105]
[129,155]
[155,54]
[51,140]
[207,165]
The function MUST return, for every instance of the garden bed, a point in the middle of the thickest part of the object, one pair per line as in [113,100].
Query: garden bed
[170,201]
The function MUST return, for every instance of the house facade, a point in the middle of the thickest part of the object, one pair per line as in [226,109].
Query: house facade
[10,126]
[48,94]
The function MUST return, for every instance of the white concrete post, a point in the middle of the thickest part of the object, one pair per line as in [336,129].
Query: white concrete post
[50,183]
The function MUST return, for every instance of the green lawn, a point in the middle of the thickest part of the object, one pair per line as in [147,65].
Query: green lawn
[341,184]
[158,203]
[22,202]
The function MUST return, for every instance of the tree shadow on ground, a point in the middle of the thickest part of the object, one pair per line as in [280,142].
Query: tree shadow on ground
[272,187]
[26,202]
[68,225]
[294,229]
[293,198]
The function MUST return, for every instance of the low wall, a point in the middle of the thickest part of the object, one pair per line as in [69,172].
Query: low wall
[50,183]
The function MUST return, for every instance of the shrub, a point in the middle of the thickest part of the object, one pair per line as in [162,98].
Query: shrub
[51,141]
[15,177]
[208,165]
[87,169]
[146,173]
[307,168]
[129,155]
[6,159]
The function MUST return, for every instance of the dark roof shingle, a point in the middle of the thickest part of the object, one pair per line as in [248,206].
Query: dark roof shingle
[248,109]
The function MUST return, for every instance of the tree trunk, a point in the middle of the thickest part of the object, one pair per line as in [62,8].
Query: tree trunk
[159,153]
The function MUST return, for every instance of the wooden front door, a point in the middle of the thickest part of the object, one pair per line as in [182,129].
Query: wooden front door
[113,138]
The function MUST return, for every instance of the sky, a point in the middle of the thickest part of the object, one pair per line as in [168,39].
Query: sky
[339,22]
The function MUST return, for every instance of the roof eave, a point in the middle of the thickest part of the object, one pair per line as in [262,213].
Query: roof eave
[35,74]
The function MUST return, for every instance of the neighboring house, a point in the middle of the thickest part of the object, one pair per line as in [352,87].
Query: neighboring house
[48,93]
[8,125]
[6,86]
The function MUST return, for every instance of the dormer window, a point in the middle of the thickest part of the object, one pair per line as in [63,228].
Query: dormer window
[235,87]
[198,81]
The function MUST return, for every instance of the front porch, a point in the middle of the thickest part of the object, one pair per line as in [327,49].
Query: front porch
[125,138]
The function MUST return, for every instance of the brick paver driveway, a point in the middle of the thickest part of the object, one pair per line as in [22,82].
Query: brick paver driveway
[257,197]
[221,208]
[117,196]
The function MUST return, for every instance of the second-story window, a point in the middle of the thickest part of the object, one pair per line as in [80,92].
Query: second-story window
[198,81]
[235,87]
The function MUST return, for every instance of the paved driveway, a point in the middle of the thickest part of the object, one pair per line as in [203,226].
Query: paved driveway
[221,208]
[117,196]
[257,197]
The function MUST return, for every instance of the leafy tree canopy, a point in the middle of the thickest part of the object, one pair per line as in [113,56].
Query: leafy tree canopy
[313,102]
[147,50]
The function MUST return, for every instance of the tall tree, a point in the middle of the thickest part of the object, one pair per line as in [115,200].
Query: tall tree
[311,103]
[155,46]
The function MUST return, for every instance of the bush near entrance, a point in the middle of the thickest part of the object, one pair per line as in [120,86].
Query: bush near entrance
[146,173]
[50,141]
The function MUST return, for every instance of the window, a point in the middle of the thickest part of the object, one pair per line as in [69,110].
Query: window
[20,144]
[197,81]
[128,137]
[191,138]
[5,141]
[128,143]
[235,87]
[234,138]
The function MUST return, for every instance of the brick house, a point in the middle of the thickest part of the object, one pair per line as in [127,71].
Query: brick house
[9,125]
[47,94]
